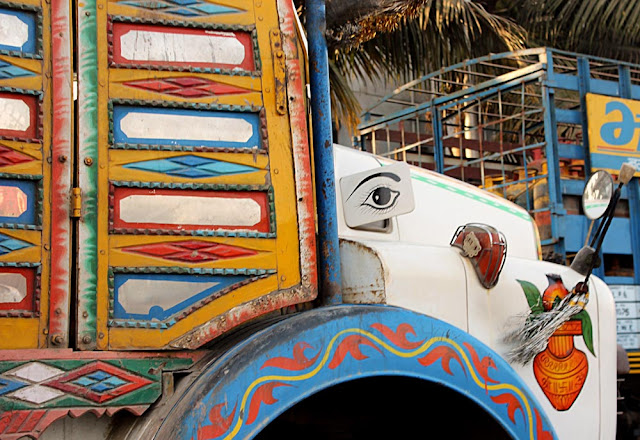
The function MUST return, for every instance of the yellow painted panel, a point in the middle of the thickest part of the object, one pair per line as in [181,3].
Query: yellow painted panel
[137,339]
[30,254]
[32,150]
[118,158]
[18,333]
[264,259]
[241,18]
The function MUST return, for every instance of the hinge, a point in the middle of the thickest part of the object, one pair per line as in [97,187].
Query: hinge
[76,203]
[279,72]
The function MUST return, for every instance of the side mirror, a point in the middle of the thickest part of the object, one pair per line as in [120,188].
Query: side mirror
[597,195]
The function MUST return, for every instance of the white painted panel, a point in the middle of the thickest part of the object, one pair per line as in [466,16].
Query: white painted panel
[14,114]
[13,31]
[216,47]
[189,210]
[35,372]
[36,394]
[185,127]
[138,296]
[13,287]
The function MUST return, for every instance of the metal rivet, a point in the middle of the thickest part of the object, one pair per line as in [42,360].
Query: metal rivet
[58,311]
[87,13]
[49,160]
[258,4]
[282,278]
[276,171]
[102,166]
[260,18]
[100,6]
[57,339]
[267,90]
[279,54]
[88,161]
[62,158]
[46,247]
[86,339]
[102,252]
[45,331]
[85,314]
[101,335]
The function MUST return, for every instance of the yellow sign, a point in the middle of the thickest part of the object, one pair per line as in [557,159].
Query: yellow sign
[614,132]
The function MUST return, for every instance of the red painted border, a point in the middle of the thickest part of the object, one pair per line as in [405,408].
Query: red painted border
[67,353]
[120,29]
[61,142]
[28,303]
[120,193]
[31,132]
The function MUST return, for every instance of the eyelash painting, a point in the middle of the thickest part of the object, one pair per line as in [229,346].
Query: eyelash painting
[377,194]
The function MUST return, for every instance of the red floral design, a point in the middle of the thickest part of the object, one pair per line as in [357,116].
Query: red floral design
[399,337]
[219,425]
[263,394]
[351,345]
[297,363]
[513,404]
[446,354]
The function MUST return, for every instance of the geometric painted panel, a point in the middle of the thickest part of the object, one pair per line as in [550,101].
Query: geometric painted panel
[9,385]
[18,201]
[10,244]
[18,116]
[191,251]
[182,8]
[9,156]
[191,166]
[160,296]
[182,127]
[99,382]
[181,210]
[186,87]
[17,288]
[8,71]
[17,31]
[150,45]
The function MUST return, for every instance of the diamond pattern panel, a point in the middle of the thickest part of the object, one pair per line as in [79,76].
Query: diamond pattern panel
[10,244]
[35,372]
[192,251]
[186,87]
[9,156]
[182,8]
[99,382]
[8,71]
[190,166]
[36,394]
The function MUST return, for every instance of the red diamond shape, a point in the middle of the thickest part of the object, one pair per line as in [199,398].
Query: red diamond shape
[65,384]
[188,81]
[191,251]
[222,89]
[9,156]
[155,86]
[191,93]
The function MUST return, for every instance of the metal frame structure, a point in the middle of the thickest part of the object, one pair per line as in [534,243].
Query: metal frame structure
[516,124]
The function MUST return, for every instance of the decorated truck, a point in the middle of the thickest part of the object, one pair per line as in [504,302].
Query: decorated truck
[183,257]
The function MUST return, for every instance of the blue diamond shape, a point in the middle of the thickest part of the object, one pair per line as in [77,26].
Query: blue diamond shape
[84,381]
[99,375]
[156,166]
[9,385]
[191,161]
[192,173]
[115,382]
[13,72]
[226,168]
[14,245]
[184,2]
[101,387]
[184,12]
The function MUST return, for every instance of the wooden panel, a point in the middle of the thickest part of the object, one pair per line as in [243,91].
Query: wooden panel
[28,104]
[190,218]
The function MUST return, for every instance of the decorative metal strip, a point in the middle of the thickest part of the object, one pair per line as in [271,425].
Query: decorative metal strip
[264,137]
[255,275]
[39,200]
[193,232]
[37,289]
[38,28]
[192,25]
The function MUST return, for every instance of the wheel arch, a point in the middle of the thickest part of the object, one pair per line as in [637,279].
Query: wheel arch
[281,365]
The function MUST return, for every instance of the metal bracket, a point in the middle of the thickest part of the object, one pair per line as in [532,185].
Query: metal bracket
[279,73]
[76,203]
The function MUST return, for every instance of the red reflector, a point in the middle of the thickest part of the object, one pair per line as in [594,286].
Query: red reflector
[485,247]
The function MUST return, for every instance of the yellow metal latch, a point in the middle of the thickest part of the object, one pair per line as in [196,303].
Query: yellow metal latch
[76,203]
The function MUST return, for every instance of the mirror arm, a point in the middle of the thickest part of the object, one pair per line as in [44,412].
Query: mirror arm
[610,209]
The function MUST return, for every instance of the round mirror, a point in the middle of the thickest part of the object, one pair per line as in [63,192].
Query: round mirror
[597,194]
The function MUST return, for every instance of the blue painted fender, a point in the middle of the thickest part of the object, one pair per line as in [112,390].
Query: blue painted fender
[269,372]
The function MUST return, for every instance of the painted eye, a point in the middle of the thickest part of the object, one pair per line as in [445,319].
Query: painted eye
[381,198]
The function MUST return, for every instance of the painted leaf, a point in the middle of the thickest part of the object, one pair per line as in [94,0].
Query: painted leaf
[263,394]
[513,404]
[297,363]
[541,434]
[587,329]
[534,299]
[446,354]
[219,423]
[399,337]
[351,345]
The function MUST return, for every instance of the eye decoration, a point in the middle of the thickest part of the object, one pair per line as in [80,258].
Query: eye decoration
[382,198]
[377,194]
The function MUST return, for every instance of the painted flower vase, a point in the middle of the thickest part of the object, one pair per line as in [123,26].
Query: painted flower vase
[561,369]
